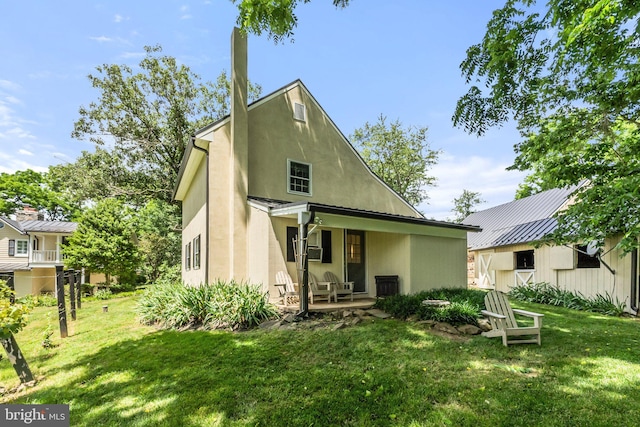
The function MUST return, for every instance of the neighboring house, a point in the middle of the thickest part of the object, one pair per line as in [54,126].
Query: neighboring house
[253,181]
[30,251]
[505,253]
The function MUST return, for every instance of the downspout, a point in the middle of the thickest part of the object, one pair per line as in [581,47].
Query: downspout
[206,227]
[304,219]
[634,281]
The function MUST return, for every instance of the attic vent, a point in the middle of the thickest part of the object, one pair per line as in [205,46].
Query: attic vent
[299,112]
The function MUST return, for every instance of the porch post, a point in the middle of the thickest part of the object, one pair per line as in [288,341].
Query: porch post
[304,218]
[62,312]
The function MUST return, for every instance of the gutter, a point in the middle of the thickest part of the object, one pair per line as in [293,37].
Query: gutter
[206,189]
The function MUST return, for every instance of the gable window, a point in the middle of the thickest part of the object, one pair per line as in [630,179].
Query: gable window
[525,260]
[584,259]
[187,256]
[299,177]
[196,253]
[299,112]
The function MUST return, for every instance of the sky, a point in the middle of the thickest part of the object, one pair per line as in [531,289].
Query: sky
[399,59]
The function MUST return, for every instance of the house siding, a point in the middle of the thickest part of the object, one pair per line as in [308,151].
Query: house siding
[194,224]
[438,262]
[8,233]
[587,281]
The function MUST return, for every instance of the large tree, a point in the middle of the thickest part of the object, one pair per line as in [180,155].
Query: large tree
[464,205]
[141,125]
[401,156]
[569,74]
[276,18]
[35,189]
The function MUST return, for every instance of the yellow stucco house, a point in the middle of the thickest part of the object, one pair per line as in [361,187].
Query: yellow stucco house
[30,251]
[279,168]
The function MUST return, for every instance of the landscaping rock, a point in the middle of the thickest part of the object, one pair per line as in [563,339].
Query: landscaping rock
[484,324]
[347,313]
[379,313]
[469,330]
[446,327]
[270,324]
[339,325]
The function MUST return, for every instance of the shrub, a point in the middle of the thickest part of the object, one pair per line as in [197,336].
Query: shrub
[44,300]
[103,294]
[464,308]
[171,304]
[545,293]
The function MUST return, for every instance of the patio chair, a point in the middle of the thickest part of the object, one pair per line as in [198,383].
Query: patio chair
[319,290]
[287,288]
[503,322]
[341,289]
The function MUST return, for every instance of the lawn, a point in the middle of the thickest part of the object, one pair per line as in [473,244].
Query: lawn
[113,371]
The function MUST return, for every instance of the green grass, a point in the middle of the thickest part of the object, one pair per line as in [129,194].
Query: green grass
[113,371]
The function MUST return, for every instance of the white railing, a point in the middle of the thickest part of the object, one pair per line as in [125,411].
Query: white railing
[46,256]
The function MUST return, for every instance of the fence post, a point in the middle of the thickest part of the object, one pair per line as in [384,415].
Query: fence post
[62,312]
[72,293]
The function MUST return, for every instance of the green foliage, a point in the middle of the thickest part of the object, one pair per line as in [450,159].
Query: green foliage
[464,307]
[400,156]
[13,317]
[545,293]
[103,294]
[103,241]
[463,206]
[30,188]
[569,76]
[275,17]
[159,238]
[44,300]
[172,305]
[147,117]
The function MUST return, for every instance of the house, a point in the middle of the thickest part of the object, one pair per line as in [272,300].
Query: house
[279,168]
[506,255]
[30,251]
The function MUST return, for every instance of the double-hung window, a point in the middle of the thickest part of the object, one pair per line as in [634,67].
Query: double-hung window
[299,177]
[196,253]
[187,256]
[18,248]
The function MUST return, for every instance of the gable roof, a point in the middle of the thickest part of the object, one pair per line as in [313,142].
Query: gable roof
[193,154]
[25,227]
[521,221]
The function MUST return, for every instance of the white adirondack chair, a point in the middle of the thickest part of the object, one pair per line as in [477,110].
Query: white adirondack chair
[504,324]
[287,288]
[319,290]
[341,289]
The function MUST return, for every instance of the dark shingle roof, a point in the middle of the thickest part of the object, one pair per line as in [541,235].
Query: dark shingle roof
[521,221]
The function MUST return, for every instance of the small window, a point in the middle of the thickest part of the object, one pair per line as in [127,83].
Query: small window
[525,260]
[196,253]
[22,247]
[299,177]
[584,259]
[292,233]
[299,112]
[187,256]
[12,248]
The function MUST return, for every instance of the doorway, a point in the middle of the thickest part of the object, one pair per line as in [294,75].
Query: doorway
[355,259]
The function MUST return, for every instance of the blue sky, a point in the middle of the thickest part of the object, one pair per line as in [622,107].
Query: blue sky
[400,59]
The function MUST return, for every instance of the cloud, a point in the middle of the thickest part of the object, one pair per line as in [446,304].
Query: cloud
[484,175]
[8,85]
[119,18]
[105,39]
[25,152]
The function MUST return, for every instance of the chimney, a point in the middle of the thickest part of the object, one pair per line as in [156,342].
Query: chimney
[28,213]
[239,182]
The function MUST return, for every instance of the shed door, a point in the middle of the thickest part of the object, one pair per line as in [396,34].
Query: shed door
[486,276]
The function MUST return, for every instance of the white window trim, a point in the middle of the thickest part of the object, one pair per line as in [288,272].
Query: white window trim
[26,247]
[289,190]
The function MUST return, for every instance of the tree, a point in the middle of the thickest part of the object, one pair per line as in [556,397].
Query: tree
[275,17]
[12,319]
[146,120]
[159,243]
[31,188]
[463,205]
[400,156]
[570,77]
[104,241]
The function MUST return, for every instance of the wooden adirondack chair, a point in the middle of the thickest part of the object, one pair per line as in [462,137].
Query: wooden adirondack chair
[287,288]
[503,322]
[340,288]
[319,290]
